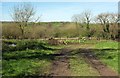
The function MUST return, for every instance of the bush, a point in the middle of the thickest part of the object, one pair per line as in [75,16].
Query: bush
[10,31]
[22,45]
[57,29]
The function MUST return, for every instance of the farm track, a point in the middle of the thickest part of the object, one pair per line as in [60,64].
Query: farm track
[91,59]
[61,66]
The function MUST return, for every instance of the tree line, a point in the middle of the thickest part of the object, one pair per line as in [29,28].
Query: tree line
[24,14]
[108,22]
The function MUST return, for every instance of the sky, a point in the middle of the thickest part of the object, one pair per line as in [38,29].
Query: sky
[60,11]
[59,0]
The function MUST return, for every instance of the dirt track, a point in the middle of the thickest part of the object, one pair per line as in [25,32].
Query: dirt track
[91,59]
[60,66]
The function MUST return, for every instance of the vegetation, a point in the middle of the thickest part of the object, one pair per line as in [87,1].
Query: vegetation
[105,26]
[108,53]
[35,57]
[27,57]
[11,31]
[22,14]
[80,68]
[29,48]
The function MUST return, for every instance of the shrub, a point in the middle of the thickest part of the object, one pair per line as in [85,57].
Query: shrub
[22,45]
[10,31]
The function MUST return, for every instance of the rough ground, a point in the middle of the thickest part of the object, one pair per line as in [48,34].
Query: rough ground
[60,66]
[91,59]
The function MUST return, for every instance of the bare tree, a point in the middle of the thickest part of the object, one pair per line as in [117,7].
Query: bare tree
[104,19]
[114,27]
[86,17]
[114,18]
[75,19]
[22,14]
[109,21]
[83,18]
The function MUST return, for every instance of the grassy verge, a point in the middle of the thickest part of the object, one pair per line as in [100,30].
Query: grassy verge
[27,57]
[107,45]
[107,51]
[26,67]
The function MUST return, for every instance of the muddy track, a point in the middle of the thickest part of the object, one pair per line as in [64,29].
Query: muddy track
[91,59]
[60,66]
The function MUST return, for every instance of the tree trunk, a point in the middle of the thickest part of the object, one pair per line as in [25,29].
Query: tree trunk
[87,26]
[22,31]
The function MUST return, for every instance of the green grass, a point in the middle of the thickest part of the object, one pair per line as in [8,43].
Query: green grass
[27,58]
[107,45]
[72,41]
[79,67]
[107,51]
[27,54]
[25,67]
[109,57]
[34,57]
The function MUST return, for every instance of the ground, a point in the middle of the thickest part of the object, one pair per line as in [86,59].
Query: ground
[88,58]
[61,66]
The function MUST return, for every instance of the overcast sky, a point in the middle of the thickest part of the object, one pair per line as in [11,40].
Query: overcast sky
[60,11]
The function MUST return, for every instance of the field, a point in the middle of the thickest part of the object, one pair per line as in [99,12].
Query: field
[78,58]
[59,39]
